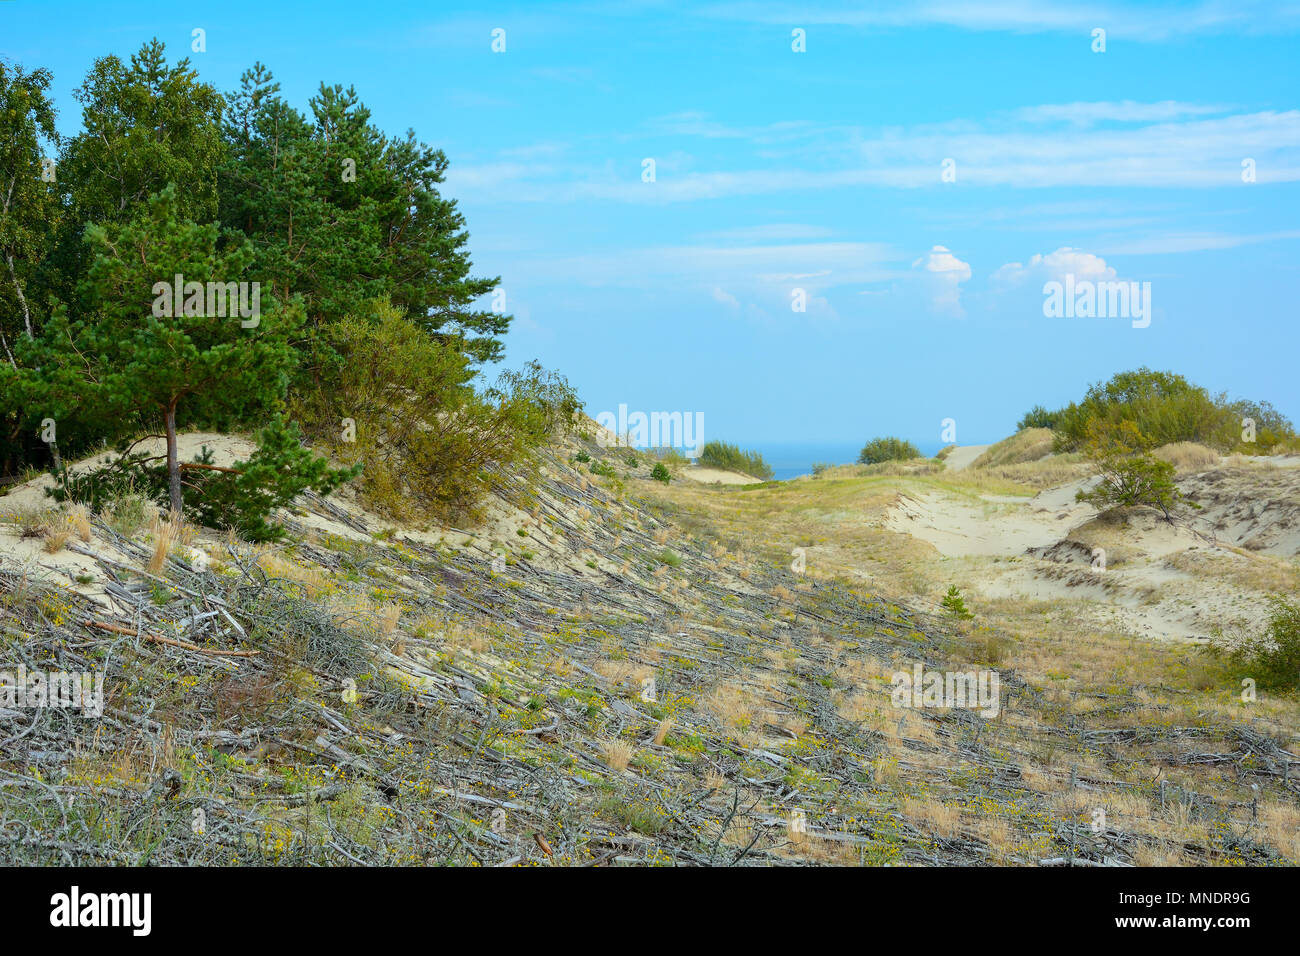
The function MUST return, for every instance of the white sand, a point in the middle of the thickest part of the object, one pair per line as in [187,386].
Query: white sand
[1161,581]
[711,476]
[962,456]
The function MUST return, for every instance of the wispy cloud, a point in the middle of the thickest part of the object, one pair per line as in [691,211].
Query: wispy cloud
[1141,22]
[1127,111]
[1195,242]
[1196,152]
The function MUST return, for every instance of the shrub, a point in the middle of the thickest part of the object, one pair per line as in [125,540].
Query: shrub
[887,449]
[954,604]
[1162,406]
[1271,659]
[1273,430]
[668,455]
[240,497]
[660,473]
[431,443]
[1137,480]
[818,467]
[716,454]
[125,513]
[1038,417]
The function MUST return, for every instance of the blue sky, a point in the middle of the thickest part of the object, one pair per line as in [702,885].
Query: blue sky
[822,170]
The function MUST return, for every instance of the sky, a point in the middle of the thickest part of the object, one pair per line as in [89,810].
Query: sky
[913,175]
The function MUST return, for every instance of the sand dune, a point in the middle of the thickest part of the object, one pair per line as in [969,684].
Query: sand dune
[961,457]
[1136,572]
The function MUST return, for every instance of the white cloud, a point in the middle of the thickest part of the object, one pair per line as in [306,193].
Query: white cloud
[1054,266]
[1127,111]
[770,232]
[1161,145]
[1145,22]
[1195,242]
[945,274]
[726,298]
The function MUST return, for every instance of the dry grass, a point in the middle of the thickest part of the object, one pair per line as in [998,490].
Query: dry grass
[1281,823]
[56,539]
[735,706]
[662,731]
[165,532]
[1032,444]
[939,818]
[1187,457]
[79,521]
[617,753]
[314,582]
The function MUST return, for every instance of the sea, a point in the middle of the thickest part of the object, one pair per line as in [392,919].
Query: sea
[790,459]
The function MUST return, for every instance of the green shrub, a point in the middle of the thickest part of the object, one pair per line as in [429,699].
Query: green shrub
[668,455]
[670,558]
[955,605]
[239,497]
[660,473]
[242,497]
[1135,480]
[1165,408]
[1271,659]
[716,454]
[887,449]
[1038,417]
[818,467]
[433,446]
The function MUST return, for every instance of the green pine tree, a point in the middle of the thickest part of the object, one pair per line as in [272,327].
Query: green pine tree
[343,215]
[166,365]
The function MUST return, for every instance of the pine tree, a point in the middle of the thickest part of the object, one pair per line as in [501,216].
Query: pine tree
[343,215]
[143,355]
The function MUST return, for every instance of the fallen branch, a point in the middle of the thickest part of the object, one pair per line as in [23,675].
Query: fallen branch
[169,641]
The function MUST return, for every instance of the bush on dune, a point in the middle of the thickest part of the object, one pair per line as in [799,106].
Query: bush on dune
[402,402]
[1129,475]
[1272,658]
[1038,417]
[716,454]
[1165,409]
[887,449]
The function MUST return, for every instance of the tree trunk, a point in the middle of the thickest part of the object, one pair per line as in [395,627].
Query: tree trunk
[173,464]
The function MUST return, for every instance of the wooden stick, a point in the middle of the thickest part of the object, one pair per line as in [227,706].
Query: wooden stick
[169,641]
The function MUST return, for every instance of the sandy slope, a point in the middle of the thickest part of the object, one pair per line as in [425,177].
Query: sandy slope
[1164,581]
[960,458]
[710,476]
